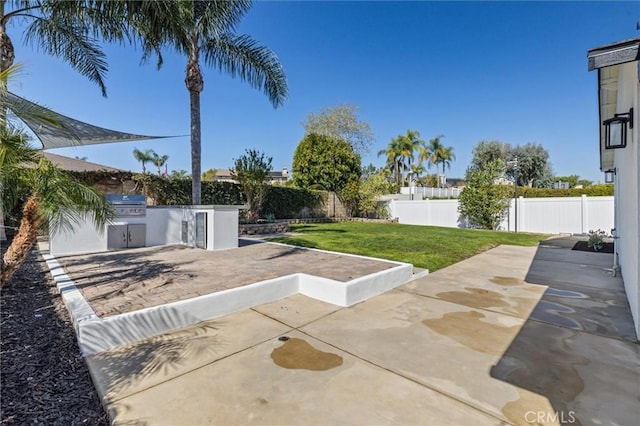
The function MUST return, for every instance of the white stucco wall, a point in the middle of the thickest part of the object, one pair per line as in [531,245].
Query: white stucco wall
[163,227]
[627,163]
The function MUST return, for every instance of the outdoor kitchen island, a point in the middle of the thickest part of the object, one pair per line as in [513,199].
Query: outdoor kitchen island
[209,227]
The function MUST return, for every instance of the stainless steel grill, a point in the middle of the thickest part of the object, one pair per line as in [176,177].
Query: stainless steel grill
[128,205]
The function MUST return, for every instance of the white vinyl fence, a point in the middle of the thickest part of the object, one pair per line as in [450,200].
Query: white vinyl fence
[562,215]
[420,192]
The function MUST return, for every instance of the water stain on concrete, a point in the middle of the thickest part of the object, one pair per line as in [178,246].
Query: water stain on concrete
[297,354]
[475,298]
[529,410]
[555,313]
[507,281]
[545,361]
[565,293]
[523,307]
[468,329]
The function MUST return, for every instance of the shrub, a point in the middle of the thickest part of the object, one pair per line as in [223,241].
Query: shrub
[482,203]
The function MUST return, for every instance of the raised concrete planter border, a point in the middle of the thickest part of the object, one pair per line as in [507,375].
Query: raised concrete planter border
[97,334]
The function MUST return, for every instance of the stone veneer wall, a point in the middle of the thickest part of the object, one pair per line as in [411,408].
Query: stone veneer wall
[283,225]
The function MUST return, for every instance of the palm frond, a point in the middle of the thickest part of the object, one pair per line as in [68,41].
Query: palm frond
[213,19]
[242,56]
[69,40]
[64,201]
[15,155]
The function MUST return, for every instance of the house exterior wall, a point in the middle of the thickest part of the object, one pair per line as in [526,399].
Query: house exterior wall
[627,164]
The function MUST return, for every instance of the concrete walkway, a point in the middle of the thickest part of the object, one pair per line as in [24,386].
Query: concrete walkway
[479,342]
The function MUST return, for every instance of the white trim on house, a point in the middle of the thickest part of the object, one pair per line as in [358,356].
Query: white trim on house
[618,92]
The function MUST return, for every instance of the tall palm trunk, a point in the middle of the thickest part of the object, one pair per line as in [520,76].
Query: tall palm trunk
[195,85]
[194,97]
[7,52]
[397,170]
[23,240]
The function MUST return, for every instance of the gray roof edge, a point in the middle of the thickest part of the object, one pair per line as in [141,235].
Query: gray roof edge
[614,54]
[76,164]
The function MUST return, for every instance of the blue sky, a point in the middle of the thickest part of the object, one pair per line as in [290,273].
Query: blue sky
[509,71]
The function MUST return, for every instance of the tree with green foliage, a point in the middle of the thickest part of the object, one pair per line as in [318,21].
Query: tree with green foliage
[251,170]
[144,157]
[486,152]
[534,169]
[204,32]
[402,153]
[179,174]
[429,180]
[394,160]
[411,144]
[417,170]
[62,29]
[369,170]
[341,122]
[209,175]
[482,203]
[54,199]
[572,180]
[370,189]
[440,154]
[322,162]
[159,161]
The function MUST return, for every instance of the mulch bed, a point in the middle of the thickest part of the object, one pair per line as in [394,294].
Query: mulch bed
[584,246]
[44,379]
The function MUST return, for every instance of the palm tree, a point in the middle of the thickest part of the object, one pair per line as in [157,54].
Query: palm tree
[144,157]
[411,144]
[203,31]
[394,159]
[417,170]
[439,154]
[54,201]
[446,157]
[159,161]
[434,149]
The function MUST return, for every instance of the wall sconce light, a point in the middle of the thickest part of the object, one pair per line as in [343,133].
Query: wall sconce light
[615,130]
[609,176]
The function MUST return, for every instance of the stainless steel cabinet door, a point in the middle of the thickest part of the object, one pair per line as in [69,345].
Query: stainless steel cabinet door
[137,235]
[117,236]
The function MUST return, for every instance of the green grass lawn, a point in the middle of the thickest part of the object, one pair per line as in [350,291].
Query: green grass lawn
[427,247]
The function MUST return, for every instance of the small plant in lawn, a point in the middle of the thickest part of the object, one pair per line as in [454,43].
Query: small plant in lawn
[596,238]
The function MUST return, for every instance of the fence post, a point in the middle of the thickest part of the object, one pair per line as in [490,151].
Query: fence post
[520,215]
[583,214]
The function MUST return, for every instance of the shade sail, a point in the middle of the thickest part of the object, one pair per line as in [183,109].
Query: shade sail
[59,131]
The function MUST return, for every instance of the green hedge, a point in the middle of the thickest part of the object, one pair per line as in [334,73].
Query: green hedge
[590,191]
[281,202]
[174,192]
[291,203]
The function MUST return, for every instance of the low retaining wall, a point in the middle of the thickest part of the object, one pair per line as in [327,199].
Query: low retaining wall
[263,228]
[283,225]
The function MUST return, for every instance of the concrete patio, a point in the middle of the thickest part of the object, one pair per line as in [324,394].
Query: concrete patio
[518,335]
